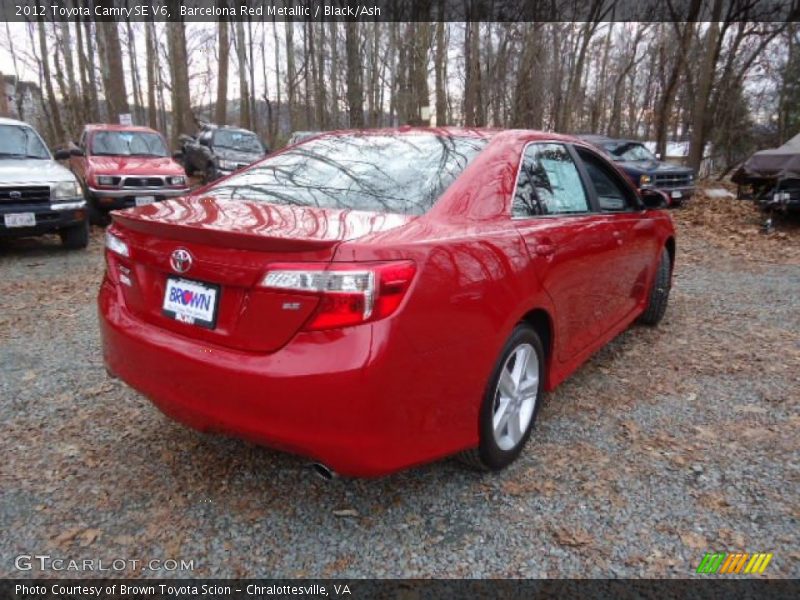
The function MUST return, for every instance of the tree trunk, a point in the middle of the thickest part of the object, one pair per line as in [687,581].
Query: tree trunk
[150,52]
[527,109]
[253,104]
[291,75]
[473,99]
[276,46]
[439,73]
[334,36]
[221,111]
[138,102]
[705,81]
[55,113]
[320,98]
[86,104]
[182,117]
[111,68]
[244,90]
[668,94]
[91,67]
[355,95]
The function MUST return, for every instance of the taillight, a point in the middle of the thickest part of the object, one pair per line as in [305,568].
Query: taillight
[116,245]
[350,293]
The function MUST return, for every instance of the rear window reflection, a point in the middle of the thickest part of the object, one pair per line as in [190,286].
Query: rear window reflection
[382,173]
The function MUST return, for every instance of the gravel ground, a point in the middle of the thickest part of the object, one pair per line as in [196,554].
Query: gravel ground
[669,443]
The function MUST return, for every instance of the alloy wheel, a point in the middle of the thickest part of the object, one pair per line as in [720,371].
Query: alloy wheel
[515,397]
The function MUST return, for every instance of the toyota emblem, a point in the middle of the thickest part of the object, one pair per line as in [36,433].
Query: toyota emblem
[181,260]
[15,195]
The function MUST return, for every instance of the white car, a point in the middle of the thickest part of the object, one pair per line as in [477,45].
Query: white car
[37,194]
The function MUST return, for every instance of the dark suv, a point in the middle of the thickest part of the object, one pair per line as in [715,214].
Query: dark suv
[219,151]
[645,170]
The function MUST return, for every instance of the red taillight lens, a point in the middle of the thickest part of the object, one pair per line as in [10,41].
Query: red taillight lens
[351,293]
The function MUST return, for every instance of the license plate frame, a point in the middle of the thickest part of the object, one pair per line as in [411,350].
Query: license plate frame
[175,303]
[144,200]
[25,219]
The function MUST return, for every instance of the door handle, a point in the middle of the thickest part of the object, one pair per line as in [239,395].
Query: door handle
[618,236]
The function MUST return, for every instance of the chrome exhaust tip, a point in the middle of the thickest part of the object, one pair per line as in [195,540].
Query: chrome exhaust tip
[323,472]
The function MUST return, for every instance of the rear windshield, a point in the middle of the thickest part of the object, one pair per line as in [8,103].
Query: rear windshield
[403,174]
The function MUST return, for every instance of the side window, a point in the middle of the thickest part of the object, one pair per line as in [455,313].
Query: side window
[548,183]
[612,194]
[205,138]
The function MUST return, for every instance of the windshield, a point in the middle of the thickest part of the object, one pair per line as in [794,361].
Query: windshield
[127,143]
[631,152]
[241,141]
[19,141]
[381,173]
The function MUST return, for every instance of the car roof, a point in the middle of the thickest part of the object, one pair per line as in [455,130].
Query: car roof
[9,121]
[117,127]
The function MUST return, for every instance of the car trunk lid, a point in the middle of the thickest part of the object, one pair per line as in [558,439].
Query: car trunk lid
[231,245]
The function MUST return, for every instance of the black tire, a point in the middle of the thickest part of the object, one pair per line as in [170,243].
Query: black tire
[97,216]
[489,456]
[659,292]
[75,237]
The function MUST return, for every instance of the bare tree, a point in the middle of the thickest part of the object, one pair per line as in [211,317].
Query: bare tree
[355,93]
[54,111]
[221,112]
[182,117]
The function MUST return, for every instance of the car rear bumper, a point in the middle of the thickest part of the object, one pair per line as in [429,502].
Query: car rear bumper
[326,395]
[49,218]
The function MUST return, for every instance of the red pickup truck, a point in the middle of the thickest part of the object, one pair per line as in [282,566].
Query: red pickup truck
[121,166]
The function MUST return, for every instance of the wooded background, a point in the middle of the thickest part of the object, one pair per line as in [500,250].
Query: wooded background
[730,84]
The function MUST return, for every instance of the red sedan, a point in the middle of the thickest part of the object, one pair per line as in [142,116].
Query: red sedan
[376,300]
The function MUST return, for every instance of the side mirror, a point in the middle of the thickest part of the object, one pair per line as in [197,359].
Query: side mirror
[654,199]
[62,154]
[76,152]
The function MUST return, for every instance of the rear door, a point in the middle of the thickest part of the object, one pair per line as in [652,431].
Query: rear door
[570,247]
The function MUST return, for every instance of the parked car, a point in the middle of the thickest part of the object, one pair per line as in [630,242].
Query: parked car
[219,151]
[38,195]
[121,166]
[645,170]
[375,300]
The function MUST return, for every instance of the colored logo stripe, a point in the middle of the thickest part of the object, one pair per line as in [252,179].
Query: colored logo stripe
[723,563]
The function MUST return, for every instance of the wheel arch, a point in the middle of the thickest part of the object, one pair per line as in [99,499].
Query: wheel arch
[542,322]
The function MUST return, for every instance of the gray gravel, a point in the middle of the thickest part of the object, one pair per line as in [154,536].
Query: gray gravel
[667,444]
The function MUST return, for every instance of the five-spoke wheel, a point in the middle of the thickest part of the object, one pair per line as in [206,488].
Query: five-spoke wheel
[511,401]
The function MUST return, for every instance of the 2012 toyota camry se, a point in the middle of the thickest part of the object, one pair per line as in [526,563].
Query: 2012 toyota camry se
[373,300]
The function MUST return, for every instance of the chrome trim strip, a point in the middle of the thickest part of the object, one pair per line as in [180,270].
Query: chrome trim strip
[118,193]
[74,205]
